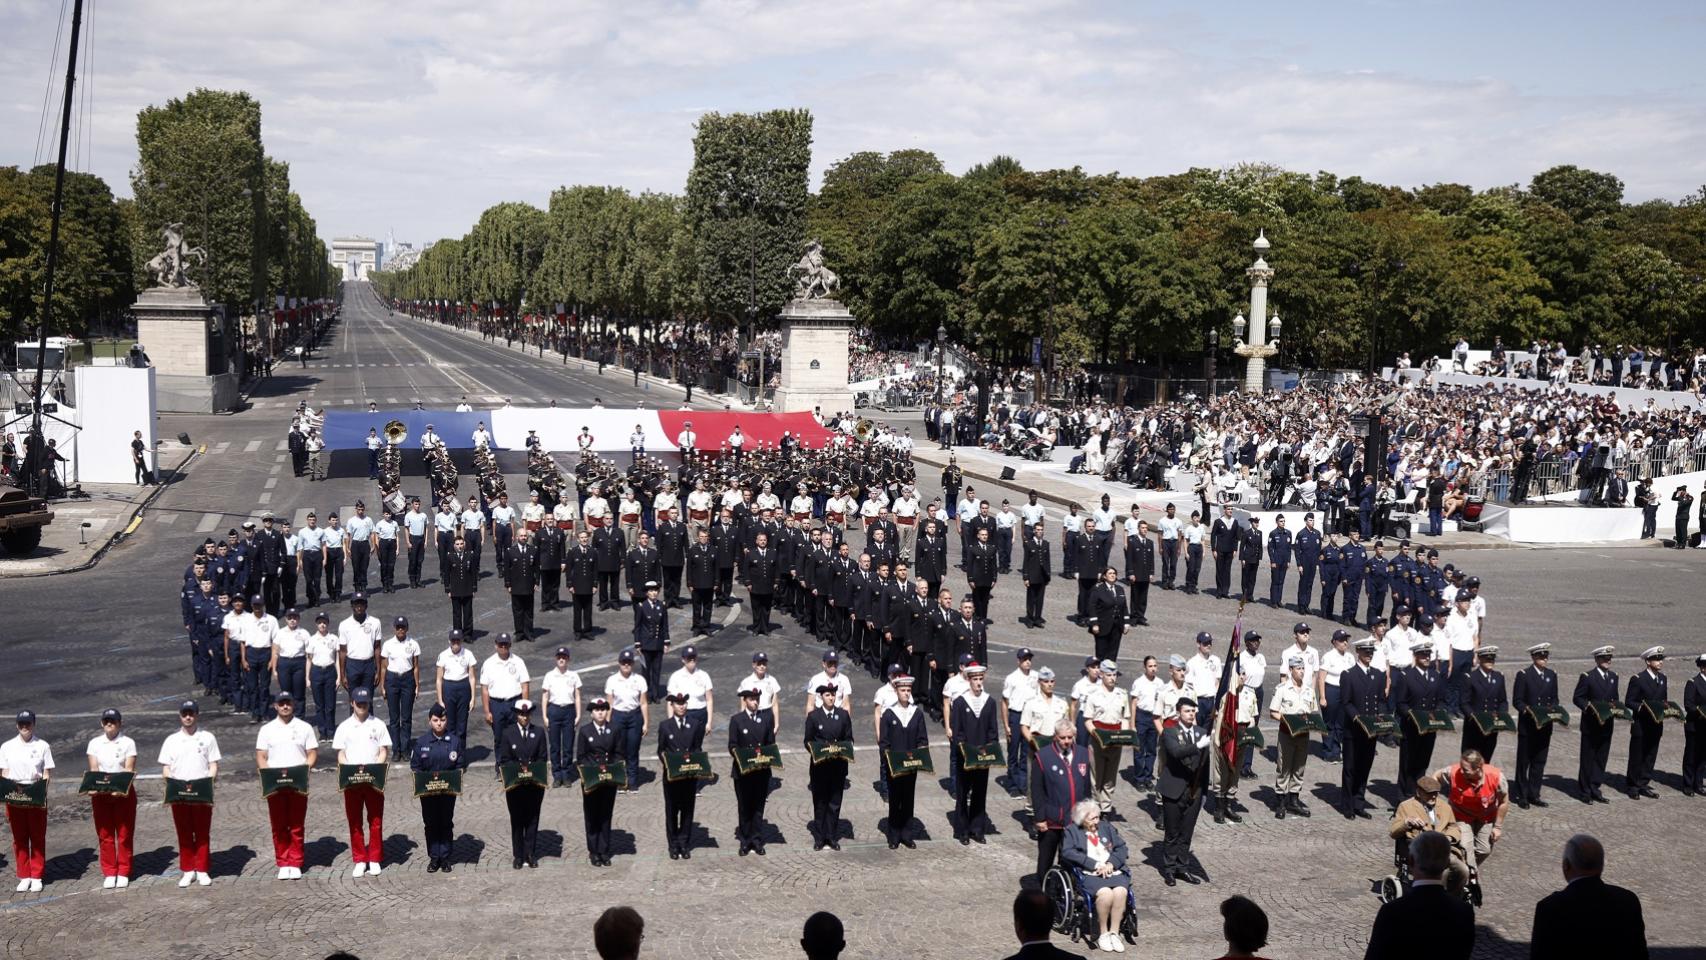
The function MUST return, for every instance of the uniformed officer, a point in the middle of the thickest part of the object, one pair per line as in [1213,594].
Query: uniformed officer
[1329,578]
[455,683]
[1353,569]
[1185,749]
[748,729]
[1108,612]
[1293,696]
[1306,547]
[437,750]
[1645,697]
[1279,561]
[1598,685]
[1534,691]
[361,542]
[581,569]
[519,565]
[1419,687]
[651,638]
[975,723]
[679,733]
[701,573]
[1378,577]
[522,743]
[1250,549]
[827,723]
[336,539]
[1694,730]
[901,727]
[1484,690]
[1364,693]
[597,743]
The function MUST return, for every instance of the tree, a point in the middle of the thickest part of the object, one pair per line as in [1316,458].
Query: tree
[1582,194]
[746,204]
[849,211]
[93,283]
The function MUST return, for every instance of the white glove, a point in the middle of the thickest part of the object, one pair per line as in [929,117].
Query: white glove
[1203,742]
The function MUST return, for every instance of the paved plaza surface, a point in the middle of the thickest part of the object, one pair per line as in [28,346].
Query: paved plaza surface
[78,643]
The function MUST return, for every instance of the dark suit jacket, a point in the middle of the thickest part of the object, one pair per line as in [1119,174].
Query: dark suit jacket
[1426,922]
[521,745]
[1589,918]
[1181,759]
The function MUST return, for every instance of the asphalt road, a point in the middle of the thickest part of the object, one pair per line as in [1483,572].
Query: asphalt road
[74,645]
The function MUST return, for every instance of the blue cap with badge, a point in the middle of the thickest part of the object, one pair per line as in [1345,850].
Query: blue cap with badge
[26,718]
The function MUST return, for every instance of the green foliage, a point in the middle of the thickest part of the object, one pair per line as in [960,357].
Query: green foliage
[93,279]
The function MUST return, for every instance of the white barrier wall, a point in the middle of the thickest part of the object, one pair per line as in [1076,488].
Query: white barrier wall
[1627,398]
[113,403]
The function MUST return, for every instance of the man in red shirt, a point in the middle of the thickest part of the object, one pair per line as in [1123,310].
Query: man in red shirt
[1479,801]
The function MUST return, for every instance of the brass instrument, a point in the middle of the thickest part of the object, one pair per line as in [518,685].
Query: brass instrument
[863,430]
[396,432]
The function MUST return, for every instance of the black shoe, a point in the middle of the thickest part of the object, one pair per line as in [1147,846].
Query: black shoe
[817,845]
[687,854]
[533,863]
[758,848]
[1298,808]
[1649,793]
[894,844]
[444,865]
[432,866]
[835,845]
[1220,813]
[1189,877]
[978,838]
[1537,802]
[1599,797]
[515,864]
[1522,803]
[1169,880]
[909,844]
[964,840]
[1280,813]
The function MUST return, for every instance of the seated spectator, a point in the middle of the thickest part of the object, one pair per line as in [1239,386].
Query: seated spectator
[1093,846]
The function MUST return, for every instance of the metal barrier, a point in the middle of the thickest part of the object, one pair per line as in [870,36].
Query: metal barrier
[1553,476]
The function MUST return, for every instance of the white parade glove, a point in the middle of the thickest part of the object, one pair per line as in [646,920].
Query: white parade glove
[1203,742]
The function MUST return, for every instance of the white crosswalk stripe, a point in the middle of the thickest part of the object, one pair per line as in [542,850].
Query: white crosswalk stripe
[166,518]
[264,499]
[282,445]
[209,521]
[252,446]
[222,446]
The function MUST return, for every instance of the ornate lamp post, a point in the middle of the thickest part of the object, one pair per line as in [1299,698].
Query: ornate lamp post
[1256,349]
[1211,357]
[941,355]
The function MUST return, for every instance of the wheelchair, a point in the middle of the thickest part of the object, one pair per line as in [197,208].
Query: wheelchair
[1075,912]
[1396,884]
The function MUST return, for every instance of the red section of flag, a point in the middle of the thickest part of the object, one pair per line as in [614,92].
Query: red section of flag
[712,427]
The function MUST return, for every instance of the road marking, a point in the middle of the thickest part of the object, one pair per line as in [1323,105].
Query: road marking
[271,482]
[166,518]
[276,467]
[390,399]
[208,522]
[221,447]
[264,499]
[282,445]
[252,446]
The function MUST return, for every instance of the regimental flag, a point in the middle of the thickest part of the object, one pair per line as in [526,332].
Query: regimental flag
[1226,713]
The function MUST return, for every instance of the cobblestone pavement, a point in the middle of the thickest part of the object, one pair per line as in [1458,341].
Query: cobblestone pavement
[110,637]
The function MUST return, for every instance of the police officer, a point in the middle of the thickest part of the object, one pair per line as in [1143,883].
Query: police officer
[1378,577]
[521,742]
[827,723]
[595,745]
[438,749]
[1646,696]
[1364,693]
[1484,690]
[1329,577]
[1420,687]
[748,729]
[1279,561]
[1534,692]
[385,541]
[680,733]
[1353,568]
[1306,546]
[1597,685]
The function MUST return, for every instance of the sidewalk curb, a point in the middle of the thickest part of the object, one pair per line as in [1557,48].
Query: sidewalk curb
[121,531]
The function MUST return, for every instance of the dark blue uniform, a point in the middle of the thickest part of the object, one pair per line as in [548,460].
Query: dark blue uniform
[752,790]
[1364,692]
[438,813]
[1644,731]
[1598,683]
[1535,687]
[1307,547]
[1279,560]
[598,744]
[1416,688]
[1483,690]
[682,734]
[1378,576]
[1329,580]
[1353,566]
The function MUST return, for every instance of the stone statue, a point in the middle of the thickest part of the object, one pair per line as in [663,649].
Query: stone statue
[814,281]
[167,267]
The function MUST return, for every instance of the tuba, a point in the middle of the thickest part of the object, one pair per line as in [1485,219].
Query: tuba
[396,432]
[863,430]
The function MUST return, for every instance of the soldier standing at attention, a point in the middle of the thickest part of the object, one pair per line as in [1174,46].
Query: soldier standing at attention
[828,723]
[1307,547]
[1694,730]
[597,743]
[1645,697]
[438,749]
[1364,692]
[1484,690]
[1536,690]
[679,733]
[1292,697]
[1597,685]
[747,730]
[521,743]
[1279,561]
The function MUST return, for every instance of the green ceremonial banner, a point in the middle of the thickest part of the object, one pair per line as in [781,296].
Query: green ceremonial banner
[535,774]
[1437,720]
[597,776]
[686,765]
[438,783]
[1377,724]
[1606,711]
[984,757]
[113,784]
[288,779]
[1303,723]
[1543,717]
[361,775]
[15,794]
[752,759]
[1113,738]
[1491,722]
[822,750]
[1665,710]
[189,791]
[906,762]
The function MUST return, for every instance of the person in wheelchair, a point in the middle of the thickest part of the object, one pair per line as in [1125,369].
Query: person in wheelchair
[1426,812]
[1092,848]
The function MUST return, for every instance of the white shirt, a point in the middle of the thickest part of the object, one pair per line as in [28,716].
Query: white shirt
[736,440]
[695,683]
[953,688]
[843,688]
[290,643]
[503,516]
[1043,713]
[767,689]
[190,755]
[1311,662]
[1396,645]
[400,655]
[286,745]
[359,528]
[1032,513]
[560,686]
[110,754]
[1334,663]
[360,740]
[503,676]
[359,639]
[1072,523]
[1146,691]
[967,510]
[260,631]
[1169,527]
[1460,630]
[885,697]
[1255,667]
[416,522]
[1202,674]
[1019,688]
[323,649]
[625,693]
[455,663]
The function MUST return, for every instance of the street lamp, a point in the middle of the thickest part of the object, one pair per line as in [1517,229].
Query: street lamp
[1212,359]
[941,355]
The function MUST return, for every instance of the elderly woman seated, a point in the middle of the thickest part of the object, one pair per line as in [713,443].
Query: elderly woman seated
[1095,848]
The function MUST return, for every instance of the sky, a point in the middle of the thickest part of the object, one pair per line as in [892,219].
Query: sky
[411,118]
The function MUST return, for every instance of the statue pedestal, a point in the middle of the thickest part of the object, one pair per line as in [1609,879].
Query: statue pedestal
[185,339]
[815,336]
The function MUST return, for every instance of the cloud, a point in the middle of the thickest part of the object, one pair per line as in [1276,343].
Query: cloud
[418,116]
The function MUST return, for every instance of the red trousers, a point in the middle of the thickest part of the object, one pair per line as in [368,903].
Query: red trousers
[287,810]
[365,807]
[115,825]
[193,821]
[29,840]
